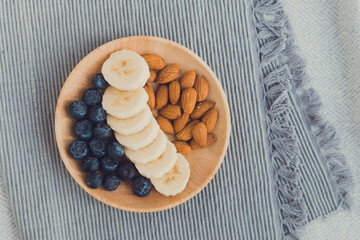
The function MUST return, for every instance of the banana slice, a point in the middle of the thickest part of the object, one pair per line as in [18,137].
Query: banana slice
[130,125]
[124,104]
[161,165]
[140,139]
[126,70]
[174,181]
[150,152]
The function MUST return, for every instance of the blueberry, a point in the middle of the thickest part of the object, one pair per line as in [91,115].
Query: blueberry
[97,147]
[99,82]
[94,180]
[97,114]
[91,97]
[111,182]
[77,110]
[127,171]
[90,164]
[78,149]
[141,187]
[108,165]
[102,131]
[115,150]
[83,129]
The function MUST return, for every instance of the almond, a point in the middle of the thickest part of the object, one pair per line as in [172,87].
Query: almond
[209,119]
[201,108]
[186,133]
[154,61]
[211,138]
[152,76]
[170,112]
[165,125]
[202,88]
[187,81]
[200,134]
[169,73]
[181,122]
[150,92]
[188,100]
[182,147]
[174,91]
[162,96]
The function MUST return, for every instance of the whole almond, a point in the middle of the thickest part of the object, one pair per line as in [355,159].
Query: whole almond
[182,147]
[211,138]
[170,112]
[165,125]
[188,100]
[187,132]
[202,88]
[169,73]
[181,122]
[209,119]
[150,92]
[154,61]
[200,134]
[201,108]
[187,81]
[152,76]
[174,91]
[162,96]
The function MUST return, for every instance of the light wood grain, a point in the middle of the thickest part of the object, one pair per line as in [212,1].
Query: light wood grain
[204,163]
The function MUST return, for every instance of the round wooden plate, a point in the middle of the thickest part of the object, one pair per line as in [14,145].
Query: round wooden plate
[204,163]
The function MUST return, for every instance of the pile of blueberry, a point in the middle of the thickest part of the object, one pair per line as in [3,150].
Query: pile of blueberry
[97,147]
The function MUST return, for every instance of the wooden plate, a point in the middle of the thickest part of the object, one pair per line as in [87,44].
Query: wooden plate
[204,163]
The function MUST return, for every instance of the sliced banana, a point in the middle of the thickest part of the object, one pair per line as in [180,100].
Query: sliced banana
[161,165]
[150,152]
[130,125]
[174,181]
[141,139]
[124,104]
[126,70]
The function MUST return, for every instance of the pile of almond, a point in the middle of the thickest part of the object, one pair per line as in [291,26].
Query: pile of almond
[182,107]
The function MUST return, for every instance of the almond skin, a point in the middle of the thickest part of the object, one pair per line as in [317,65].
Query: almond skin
[210,118]
[201,108]
[186,133]
[154,61]
[152,76]
[165,125]
[188,100]
[162,96]
[169,73]
[187,81]
[182,147]
[174,91]
[202,88]
[170,112]
[200,134]
[150,92]
[181,122]
[211,138]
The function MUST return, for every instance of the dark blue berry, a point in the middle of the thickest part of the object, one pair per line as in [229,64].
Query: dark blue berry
[108,165]
[83,129]
[102,131]
[99,82]
[127,171]
[111,182]
[77,110]
[90,164]
[94,180]
[78,149]
[141,187]
[97,147]
[115,150]
[91,97]
[97,114]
